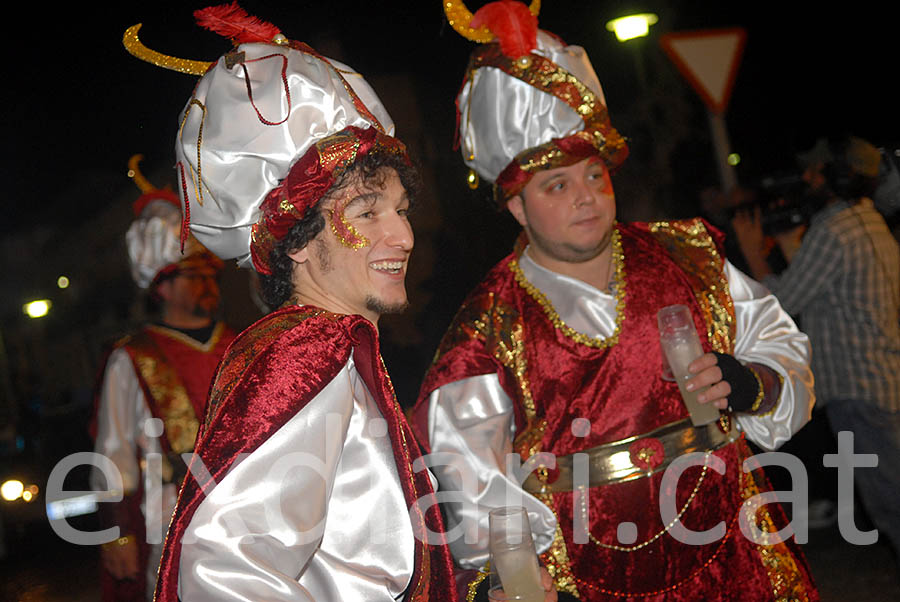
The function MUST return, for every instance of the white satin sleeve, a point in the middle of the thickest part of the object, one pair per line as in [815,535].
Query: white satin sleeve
[470,429]
[766,334]
[121,417]
[314,513]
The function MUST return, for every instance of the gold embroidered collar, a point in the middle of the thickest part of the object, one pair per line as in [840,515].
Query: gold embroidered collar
[618,286]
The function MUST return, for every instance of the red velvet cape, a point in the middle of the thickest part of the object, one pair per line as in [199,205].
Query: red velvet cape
[270,372]
[553,379]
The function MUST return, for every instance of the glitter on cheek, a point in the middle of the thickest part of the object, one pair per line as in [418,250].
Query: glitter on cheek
[348,236]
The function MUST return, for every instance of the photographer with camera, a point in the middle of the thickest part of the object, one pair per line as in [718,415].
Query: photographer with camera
[843,281]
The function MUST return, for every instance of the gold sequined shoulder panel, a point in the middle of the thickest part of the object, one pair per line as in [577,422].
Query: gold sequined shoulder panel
[165,391]
[691,246]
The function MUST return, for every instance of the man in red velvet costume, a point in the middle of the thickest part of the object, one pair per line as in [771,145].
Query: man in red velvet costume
[162,372]
[302,486]
[557,351]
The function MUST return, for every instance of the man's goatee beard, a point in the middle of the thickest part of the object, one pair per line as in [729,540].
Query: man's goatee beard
[381,308]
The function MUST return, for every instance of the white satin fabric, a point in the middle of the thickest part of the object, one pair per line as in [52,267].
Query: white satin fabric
[122,427]
[501,116]
[315,513]
[241,158]
[154,241]
[471,419]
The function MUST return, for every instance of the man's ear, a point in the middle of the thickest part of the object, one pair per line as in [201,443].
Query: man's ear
[517,207]
[163,290]
[300,255]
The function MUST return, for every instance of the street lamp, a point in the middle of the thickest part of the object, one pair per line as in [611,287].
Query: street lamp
[632,26]
[37,309]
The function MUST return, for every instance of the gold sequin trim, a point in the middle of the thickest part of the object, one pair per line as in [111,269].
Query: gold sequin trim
[556,558]
[777,401]
[691,247]
[760,392]
[472,589]
[166,390]
[460,19]
[788,584]
[137,49]
[499,327]
[559,323]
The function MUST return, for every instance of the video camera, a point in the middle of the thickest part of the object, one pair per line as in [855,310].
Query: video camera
[784,202]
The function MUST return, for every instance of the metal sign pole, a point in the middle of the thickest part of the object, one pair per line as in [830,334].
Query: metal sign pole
[722,148]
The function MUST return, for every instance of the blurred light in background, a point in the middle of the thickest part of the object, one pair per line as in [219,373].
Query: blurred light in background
[734,159]
[632,26]
[62,282]
[78,505]
[11,490]
[37,309]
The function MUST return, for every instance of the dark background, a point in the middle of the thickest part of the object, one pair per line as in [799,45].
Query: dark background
[77,106]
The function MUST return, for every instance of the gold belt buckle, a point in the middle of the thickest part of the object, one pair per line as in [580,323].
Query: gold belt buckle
[637,457]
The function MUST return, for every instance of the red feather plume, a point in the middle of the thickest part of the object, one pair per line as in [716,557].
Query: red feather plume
[233,22]
[512,24]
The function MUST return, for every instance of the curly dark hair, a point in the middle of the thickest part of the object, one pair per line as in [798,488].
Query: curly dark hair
[278,287]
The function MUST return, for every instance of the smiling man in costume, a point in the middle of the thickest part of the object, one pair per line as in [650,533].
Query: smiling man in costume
[302,486]
[161,372]
[556,350]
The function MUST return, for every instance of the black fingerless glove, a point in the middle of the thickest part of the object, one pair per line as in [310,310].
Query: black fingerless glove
[746,389]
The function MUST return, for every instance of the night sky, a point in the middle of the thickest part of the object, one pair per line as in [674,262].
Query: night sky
[81,104]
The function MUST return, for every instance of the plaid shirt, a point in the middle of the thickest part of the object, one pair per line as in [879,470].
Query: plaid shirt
[844,284]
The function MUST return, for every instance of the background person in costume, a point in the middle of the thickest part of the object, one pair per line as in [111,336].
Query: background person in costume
[302,487]
[557,351]
[162,372]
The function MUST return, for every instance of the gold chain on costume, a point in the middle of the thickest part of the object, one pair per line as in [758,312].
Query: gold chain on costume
[557,321]
[636,547]
[198,182]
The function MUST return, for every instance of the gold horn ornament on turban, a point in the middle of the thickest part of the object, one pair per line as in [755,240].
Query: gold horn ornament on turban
[134,46]
[460,19]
